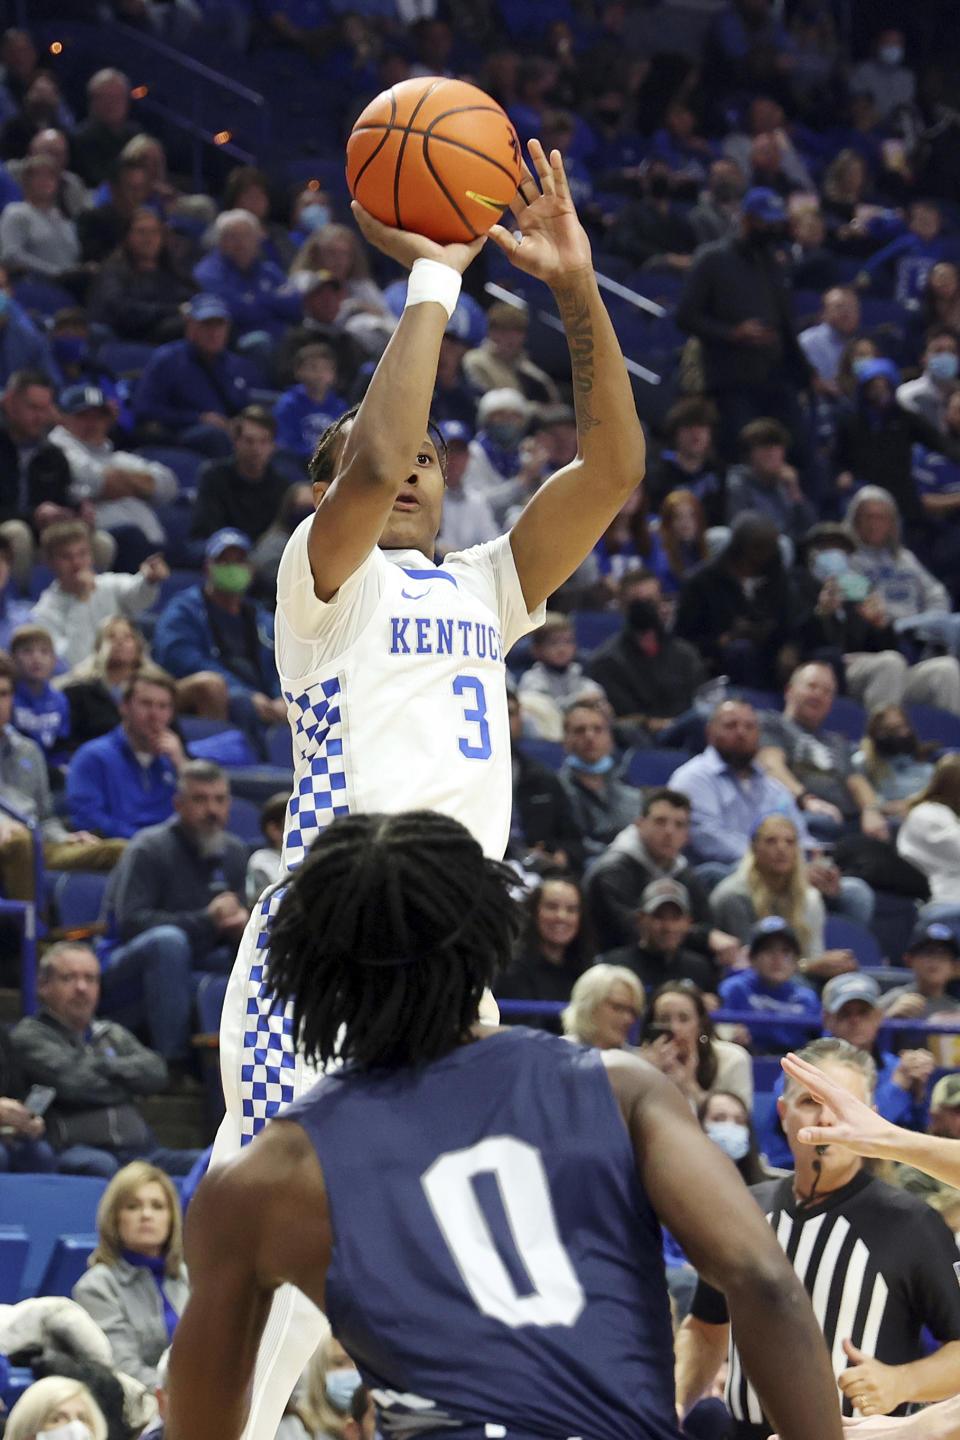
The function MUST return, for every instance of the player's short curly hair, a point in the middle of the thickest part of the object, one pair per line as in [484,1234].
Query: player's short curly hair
[323,463]
[386,937]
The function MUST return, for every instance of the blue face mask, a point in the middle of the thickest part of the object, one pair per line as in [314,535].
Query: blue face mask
[827,564]
[313,217]
[891,54]
[340,1387]
[598,767]
[943,366]
[733,1138]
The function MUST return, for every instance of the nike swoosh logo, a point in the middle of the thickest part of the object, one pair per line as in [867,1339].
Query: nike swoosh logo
[407,596]
[497,205]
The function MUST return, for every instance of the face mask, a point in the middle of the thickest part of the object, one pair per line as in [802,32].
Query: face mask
[733,1138]
[313,217]
[598,767]
[74,1430]
[943,367]
[643,616]
[894,745]
[891,54]
[828,564]
[234,579]
[70,349]
[505,433]
[858,364]
[341,1385]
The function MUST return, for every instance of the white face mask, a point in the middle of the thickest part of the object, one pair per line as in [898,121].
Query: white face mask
[73,1430]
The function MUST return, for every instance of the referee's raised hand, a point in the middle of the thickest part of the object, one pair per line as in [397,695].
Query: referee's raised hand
[848,1121]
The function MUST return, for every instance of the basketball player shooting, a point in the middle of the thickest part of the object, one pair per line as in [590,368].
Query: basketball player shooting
[392,667]
[478,1210]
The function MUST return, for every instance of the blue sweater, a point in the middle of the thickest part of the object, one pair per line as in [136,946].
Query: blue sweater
[301,421]
[176,387]
[109,791]
[258,299]
[45,718]
[745,990]
[184,642]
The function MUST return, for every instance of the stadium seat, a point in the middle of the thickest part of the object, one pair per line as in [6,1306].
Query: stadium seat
[593,627]
[124,357]
[847,716]
[210,993]
[199,727]
[176,581]
[185,464]
[759,699]
[548,752]
[244,820]
[14,1248]
[766,1072]
[841,934]
[67,1262]
[42,298]
[48,1206]
[932,723]
[78,900]
[280,747]
[654,767]
[258,782]
[894,917]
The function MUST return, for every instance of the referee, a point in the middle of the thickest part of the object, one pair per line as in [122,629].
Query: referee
[876,1262]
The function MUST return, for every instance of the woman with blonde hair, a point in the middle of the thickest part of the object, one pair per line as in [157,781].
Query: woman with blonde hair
[339,250]
[930,839]
[57,1408]
[136,1285]
[771,879]
[605,1003]
[323,1404]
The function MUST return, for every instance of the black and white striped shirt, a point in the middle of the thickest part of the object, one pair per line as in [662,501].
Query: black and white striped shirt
[877,1264]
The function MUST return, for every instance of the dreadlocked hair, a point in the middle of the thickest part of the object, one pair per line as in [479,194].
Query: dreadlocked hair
[388,932]
[323,463]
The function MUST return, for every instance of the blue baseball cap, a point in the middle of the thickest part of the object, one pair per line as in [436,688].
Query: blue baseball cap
[771,928]
[875,367]
[207,307]
[455,432]
[77,398]
[226,539]
[933,935]
[764,204]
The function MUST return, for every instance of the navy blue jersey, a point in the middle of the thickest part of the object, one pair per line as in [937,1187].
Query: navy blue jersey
[495,1259]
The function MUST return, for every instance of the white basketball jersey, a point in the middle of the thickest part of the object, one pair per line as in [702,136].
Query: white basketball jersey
[396,688]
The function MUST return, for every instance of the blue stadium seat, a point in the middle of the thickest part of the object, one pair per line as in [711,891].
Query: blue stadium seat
[185,464]
[244,820]
[548,752]
[42,297]
[766,1072]
[259,782]
[847,716]
[78,899]
[593,627]
[894,917]
[759,699]
[68,1261]
[14,1248]
[654,767]
[841,934]
[124,357]
[48,1206]
[210,993]
[280,747]
[932,723]
[199,727]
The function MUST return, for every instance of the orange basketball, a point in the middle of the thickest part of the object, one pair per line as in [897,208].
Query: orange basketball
[434,156]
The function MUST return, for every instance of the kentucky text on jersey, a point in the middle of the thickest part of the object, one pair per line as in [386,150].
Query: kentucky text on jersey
[434,635]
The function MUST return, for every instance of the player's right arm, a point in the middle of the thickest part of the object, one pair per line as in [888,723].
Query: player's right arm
[254,1223]
[700,1197]
[857,1126]
[382,444]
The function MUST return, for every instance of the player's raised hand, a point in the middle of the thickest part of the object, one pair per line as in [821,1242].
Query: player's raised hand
[552,244]
[405,247]
[850,1122]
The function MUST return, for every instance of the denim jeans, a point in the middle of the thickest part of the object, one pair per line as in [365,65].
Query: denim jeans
[104,1164]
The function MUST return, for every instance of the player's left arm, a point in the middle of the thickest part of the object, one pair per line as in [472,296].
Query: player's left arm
[254,1223]
[565,519]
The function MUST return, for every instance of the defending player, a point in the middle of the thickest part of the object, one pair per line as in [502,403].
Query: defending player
[476,1209]
[393,668]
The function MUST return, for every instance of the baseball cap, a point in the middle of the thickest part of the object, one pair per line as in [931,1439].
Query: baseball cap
[773,927]
[933,933]
[455,432]
[946,1093]
[207,307]
[843,988]
[664,892]
[77,398]
[879,365]
[764,204]
[225,539]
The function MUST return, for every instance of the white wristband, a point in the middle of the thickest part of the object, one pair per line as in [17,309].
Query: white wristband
[432,280]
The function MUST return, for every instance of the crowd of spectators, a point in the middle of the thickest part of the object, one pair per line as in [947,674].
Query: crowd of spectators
[725,775]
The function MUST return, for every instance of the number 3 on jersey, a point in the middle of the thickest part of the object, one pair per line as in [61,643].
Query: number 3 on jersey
[555,1295]
[477,747]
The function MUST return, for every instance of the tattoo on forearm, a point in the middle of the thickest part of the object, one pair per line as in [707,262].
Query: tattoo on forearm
[575,314]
